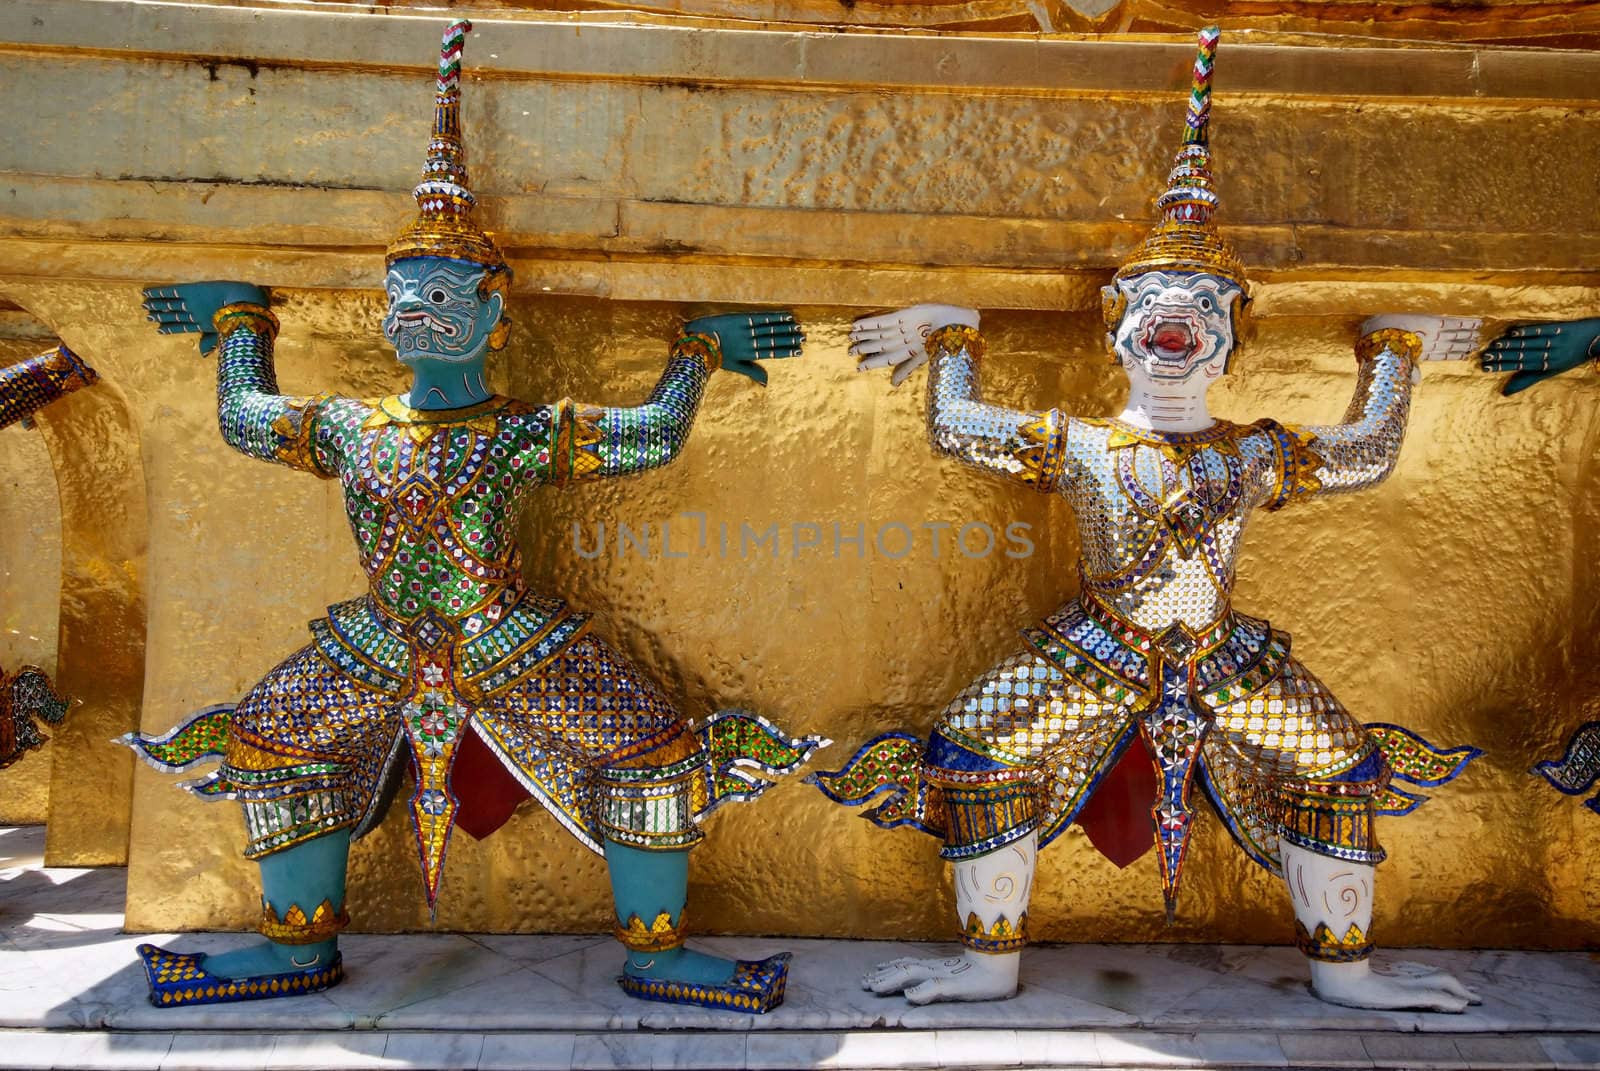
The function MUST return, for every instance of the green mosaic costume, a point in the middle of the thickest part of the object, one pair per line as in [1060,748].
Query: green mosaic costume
[448,654]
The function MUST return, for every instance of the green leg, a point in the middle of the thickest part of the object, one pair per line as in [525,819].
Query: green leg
[306,874]
[646,884]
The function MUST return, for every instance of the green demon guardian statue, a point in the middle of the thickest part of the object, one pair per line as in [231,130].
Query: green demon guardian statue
[1149,681]
[490,692]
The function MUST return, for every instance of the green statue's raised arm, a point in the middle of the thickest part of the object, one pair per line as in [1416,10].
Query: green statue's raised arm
[254,418]
[593,442]
[1025,446]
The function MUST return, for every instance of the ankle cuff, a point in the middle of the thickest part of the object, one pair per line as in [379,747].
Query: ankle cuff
[998,940]
[660,936]
[1323,947]
[295,929]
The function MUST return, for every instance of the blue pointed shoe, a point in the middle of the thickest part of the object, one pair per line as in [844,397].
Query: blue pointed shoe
[178,978]
[756,987]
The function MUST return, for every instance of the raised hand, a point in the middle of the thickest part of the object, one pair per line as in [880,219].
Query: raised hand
[899,339]
[190,307]
[1532,352]
[747,337]
[1444,338]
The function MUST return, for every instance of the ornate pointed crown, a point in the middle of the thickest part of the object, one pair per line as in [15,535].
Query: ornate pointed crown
[444,226]
[1186,237]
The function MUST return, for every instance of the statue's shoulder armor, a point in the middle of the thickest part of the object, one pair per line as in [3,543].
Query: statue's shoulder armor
[1290,461]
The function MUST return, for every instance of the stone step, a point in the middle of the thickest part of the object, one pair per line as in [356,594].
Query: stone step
[1059,1050]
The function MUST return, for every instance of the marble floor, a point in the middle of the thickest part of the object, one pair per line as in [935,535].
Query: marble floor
[72,995]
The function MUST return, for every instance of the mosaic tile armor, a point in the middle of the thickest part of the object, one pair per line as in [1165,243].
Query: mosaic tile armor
[36,382]
[1152,648]
[1148,682]
[448,644]
[26,698]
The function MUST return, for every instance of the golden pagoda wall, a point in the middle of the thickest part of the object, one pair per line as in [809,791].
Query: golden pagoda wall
[661,170]
[30,578]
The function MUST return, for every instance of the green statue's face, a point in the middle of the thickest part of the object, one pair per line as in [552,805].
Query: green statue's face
[436,312]
[1176,328]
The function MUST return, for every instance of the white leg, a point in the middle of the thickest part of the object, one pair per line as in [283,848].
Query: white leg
[991,887]
[1337,894]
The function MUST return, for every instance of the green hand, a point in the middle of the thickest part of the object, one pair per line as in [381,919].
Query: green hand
[746,338]
[190,307]
[1533,352]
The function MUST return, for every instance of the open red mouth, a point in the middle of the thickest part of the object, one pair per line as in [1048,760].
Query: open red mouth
[1171,340]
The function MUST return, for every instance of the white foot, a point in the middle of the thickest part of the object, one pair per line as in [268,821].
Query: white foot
[969,976]
[1400,985]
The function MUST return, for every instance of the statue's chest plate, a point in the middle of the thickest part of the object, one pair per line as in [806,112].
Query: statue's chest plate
[434,515]
[460,480]
[1184,498]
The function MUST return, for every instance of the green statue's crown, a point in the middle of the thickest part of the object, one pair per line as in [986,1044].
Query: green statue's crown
[444,226]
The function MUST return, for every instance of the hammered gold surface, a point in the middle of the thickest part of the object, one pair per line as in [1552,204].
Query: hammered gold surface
[95,448]
[1481,650]
[30,584]
[627,165]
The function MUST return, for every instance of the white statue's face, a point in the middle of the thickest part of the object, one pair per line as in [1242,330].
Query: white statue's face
[1176,330]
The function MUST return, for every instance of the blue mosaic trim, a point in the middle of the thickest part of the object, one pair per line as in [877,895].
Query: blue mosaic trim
[756,988]
[955,852]
[1333,851]
[946,754]
[1461,756]
[349,663]
[1078,630]
[178,978]
[524,623]
[361,628]
[1370,768]
[508,674]
[1579,766]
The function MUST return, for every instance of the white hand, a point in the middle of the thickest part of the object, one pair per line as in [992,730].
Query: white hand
[899,339]
[1444,338]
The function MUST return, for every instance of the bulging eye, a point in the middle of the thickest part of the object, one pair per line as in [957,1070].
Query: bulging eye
[437,296]
[1205,304]
[1149,300]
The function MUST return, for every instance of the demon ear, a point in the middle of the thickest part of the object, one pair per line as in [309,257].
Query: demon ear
[1113,303]
[1243,321]
[497,281]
